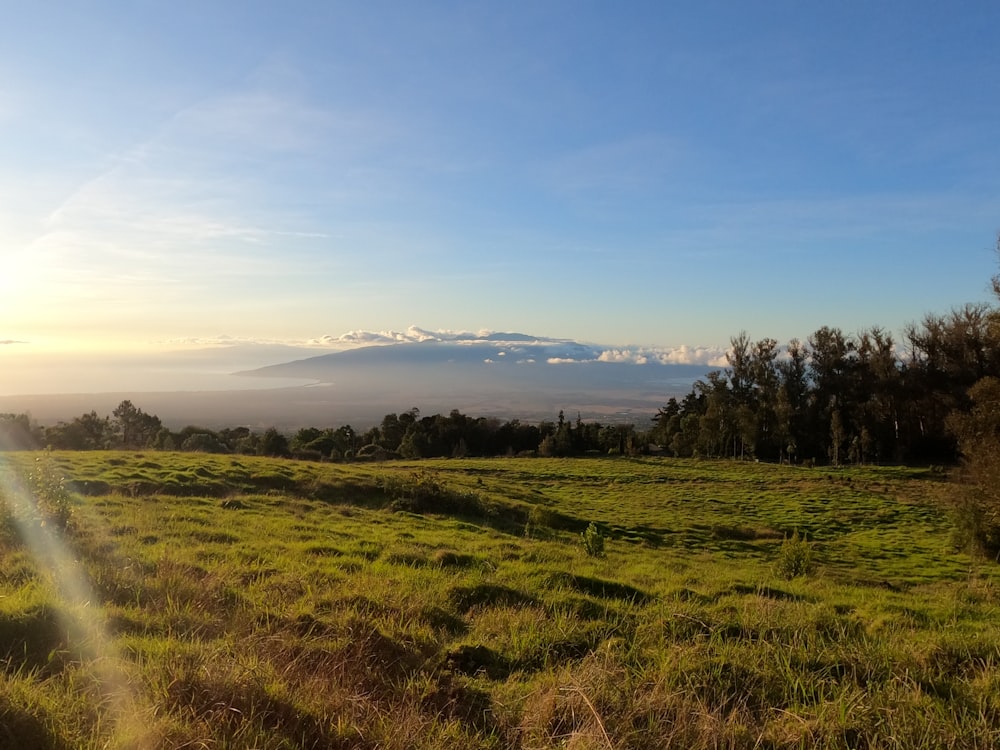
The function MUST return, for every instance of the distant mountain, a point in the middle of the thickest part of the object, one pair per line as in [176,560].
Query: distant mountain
[498,374]
[435,353]
[513,374]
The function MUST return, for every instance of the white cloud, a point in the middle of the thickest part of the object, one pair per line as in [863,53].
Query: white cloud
[623,355]
[559,351]
[524,349]
[710,356]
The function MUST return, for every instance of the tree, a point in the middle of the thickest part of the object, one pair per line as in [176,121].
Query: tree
[273,443]
[86,432]
[345,440]
[948,355]
[305,439]
[18,432]
[978,431]
[717,424]
[134,428]
[831,373]
[978,434]
[203,442]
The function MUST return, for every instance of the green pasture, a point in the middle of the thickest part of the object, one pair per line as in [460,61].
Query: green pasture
[237,602]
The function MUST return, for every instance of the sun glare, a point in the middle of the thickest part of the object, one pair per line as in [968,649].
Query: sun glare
[80,612]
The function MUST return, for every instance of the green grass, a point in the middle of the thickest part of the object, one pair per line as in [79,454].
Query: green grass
[237,602]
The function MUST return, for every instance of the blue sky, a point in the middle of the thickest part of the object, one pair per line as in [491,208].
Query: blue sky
[629,173]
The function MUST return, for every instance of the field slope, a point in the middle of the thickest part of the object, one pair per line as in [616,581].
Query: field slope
[235,602]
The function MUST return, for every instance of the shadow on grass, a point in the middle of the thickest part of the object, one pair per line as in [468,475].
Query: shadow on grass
[767,592]
[488,595]
[22,729]
[600,588]
[33,639]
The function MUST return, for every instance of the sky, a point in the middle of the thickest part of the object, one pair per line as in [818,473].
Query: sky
[641,173]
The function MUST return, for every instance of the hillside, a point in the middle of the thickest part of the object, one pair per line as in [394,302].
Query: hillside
[240,602]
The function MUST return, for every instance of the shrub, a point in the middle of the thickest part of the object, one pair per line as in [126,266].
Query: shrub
[203,442]
[795,557]
[47,500]
[977,500]
[977,523]
[593,541]
[423,492]
[540,523]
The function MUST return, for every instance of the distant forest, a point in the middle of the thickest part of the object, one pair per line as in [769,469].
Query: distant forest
[839,398]
[405,435]
[834,398]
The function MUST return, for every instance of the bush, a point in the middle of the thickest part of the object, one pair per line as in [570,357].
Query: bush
[423,492]
[795,558]
[977,500]
[46,499]
[541,522]
[977,523]
[593,541]
[203,442]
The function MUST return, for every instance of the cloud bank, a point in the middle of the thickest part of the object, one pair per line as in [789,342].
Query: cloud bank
[519,348]
[524,348]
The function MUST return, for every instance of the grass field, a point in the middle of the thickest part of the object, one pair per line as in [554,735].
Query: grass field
[198,601]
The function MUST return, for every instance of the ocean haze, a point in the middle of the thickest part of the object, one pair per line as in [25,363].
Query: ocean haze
[499,375]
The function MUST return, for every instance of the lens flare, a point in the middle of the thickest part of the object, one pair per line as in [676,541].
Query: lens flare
[82,615]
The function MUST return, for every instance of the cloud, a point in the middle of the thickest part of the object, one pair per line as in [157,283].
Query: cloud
[415,334]
[711,356]
[516,348]
[224,340]
[623,355]
[528,349]
[11,341]
[369,338]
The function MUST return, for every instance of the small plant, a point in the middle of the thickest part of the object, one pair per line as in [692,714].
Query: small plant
[796,557]
[593,541]
[45,499]
[540,523]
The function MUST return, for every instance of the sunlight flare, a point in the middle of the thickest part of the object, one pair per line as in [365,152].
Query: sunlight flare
[80,611]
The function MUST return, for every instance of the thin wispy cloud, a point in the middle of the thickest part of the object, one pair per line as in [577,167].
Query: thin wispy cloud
[649,177]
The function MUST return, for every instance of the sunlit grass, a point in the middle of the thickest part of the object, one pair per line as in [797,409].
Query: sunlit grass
[272,604]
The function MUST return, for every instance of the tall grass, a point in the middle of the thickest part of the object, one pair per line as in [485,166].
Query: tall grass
[275,604]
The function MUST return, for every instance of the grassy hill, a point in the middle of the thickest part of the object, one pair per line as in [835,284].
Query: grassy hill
[235,602]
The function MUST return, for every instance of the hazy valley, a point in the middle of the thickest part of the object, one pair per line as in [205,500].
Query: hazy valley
[528,378]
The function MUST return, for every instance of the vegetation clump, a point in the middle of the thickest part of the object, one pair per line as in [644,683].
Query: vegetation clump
[41,497]
[423,492]
[795,557]
[592,541]
[541,522]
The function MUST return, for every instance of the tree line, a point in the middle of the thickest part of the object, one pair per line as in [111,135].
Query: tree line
[834,398]
[838,398]
[403,435]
